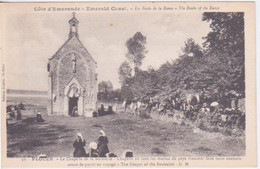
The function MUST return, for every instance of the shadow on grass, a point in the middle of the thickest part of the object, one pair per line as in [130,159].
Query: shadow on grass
[96,125]
[121,122]
[105,113]
[153,133]
[30,135]
[202,150]
[31,144]
[157,151]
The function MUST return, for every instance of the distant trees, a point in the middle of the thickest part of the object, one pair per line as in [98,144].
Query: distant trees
[106,92]
[104,89]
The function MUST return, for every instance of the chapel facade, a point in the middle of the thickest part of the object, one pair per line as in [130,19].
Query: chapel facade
[72,80]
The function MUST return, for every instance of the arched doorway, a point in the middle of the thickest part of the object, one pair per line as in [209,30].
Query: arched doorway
[73,105]
[73,99]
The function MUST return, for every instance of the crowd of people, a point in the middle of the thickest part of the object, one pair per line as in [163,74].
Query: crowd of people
[99,149]
[216,115]
[223,112]
[15,111]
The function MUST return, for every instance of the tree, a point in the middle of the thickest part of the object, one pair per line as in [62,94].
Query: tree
[192,49]
[226,40]
[136,49]
[115,95]
[104,90]
[105,86]
[124,72]
[212,71]
[227,31]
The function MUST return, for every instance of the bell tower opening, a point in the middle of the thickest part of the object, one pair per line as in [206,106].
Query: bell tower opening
[73,26]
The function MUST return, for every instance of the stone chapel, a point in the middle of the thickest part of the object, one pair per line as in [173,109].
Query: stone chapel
[72,80]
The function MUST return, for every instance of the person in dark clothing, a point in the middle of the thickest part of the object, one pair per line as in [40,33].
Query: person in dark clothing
[19,114]
[102,146]
[101,110]
[75,111]
[21,106]
[79,144]
[39,117]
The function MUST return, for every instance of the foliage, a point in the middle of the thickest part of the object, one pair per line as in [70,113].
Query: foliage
[105,87]
[226,40]
[106,92]
[132,86]
[227,32]
[124,72]
[136,49]
[212,71]
[191,48]
[115,95]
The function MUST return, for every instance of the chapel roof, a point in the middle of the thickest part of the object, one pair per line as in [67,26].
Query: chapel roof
[73,36]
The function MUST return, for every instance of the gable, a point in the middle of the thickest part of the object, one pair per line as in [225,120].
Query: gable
[73,44]
[73,83]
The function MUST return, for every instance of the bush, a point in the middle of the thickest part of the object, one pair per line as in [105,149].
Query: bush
[144,114]
[202,126]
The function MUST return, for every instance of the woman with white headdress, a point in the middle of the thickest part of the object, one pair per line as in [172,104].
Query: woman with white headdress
[92,150]
[102,146]
[79,144]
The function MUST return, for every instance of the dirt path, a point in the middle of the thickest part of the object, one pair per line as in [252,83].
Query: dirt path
[146,137]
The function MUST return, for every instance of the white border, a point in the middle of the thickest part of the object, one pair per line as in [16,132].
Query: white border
[257,56]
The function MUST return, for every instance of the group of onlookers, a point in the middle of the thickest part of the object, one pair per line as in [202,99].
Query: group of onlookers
[99,149]
[215,114]
[15,111]
[195,108]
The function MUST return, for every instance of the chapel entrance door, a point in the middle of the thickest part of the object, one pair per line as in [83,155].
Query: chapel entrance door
[73,105]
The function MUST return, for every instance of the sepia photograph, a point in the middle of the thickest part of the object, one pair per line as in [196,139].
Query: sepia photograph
[95,82]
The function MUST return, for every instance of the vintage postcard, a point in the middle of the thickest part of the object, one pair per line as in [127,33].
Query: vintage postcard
[128,84]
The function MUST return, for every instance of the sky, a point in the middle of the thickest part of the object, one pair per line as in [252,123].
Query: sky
[33,38]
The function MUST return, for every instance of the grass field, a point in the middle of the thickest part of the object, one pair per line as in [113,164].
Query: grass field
[146,137]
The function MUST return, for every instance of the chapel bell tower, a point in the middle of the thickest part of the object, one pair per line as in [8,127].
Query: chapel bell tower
[73,26]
